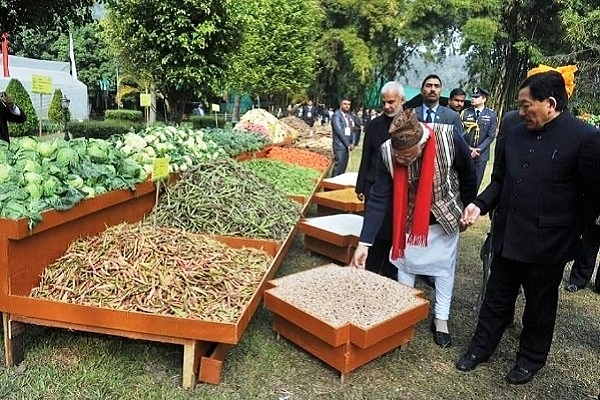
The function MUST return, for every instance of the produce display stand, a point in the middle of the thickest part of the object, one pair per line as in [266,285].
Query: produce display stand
[343,181]
[337,202]
[334,236]
[205,342]
[346,347]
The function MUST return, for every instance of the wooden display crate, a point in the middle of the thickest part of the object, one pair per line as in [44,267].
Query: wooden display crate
[337,245]
[330,203]
[24,256]
[343,181]
[345,347]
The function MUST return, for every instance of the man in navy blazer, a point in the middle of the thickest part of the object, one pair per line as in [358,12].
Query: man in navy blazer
[481,123]
[344,137]
[431,111]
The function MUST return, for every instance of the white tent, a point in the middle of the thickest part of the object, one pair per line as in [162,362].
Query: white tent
[23,68]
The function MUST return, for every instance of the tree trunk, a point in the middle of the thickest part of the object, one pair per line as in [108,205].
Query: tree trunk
[235,114]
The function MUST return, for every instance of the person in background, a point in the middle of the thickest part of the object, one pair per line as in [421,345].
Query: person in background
[585,263]
[309,115]
[481,124]
[9,112]
[546,170]
[343,132]
[376,133]
[425,175]
[456,101]
[358,126]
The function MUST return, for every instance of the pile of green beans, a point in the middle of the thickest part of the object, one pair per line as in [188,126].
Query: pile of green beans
[164,271]
[288,178]
[224,198]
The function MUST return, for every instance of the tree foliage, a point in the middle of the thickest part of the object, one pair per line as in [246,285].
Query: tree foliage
[182,47]
[278,49]
[45,15]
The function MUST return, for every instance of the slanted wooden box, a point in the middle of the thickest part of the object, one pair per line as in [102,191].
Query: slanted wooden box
[334,236]
[343,181]
[337,202]
[344,316]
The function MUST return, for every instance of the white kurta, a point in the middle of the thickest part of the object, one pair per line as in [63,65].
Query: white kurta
[438,258]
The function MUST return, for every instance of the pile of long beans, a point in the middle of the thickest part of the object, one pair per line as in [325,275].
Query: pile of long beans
[224,198]
[164,271]
[288,178]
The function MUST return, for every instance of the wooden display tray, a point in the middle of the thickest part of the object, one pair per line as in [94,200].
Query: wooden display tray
[328,200]
[325,235]
[327,184]
[200,338]
[346,347]
[342,254]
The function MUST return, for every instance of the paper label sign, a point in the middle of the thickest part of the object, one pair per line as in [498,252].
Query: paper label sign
[41,84]
[160,168]
[215,107]
[145,99]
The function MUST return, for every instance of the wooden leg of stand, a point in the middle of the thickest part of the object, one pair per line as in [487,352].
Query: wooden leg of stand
[191,360]
[14,351]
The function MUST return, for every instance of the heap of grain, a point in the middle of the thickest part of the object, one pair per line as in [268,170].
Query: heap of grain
[341,295]
[296,123]
[222,197]
[164,271]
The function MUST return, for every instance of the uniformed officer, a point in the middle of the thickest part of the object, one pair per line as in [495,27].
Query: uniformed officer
[480,124]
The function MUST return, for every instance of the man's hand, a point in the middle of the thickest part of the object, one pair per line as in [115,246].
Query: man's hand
[351,147]
[360,196]
[475,152]
[359,259]
[470,215]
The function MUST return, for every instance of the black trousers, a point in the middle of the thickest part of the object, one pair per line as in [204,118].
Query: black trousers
[585,263]
[540,286]
[378,259]
[340,161]
[480,171]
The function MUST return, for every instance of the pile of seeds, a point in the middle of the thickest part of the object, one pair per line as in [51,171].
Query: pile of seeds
[136,267]
[222,197]
[340,295]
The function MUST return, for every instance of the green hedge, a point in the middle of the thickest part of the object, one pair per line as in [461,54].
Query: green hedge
[208,121]
[124,115]
[101,129]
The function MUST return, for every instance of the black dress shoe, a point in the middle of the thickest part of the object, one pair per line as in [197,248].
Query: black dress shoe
[519,375]
[442,339]
[469,362]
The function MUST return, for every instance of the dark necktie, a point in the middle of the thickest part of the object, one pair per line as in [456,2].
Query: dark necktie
[428,118]
[476,114]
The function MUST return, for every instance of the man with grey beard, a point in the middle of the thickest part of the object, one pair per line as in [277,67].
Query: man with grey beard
[377,132]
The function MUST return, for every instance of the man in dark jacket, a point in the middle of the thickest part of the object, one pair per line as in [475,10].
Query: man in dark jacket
[541,176]
[343,132]
[377,132]
[9,111]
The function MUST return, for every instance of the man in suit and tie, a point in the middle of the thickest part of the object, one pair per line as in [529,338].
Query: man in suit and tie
[481,124]
[432,112]
[344,137]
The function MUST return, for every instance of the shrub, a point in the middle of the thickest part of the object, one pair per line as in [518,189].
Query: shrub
[207,121]
[16,90]
[55,112]
[124,115]
[101,129]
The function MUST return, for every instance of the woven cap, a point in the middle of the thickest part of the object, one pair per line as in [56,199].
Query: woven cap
[405,130]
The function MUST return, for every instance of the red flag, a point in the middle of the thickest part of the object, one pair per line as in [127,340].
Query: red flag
[5,54]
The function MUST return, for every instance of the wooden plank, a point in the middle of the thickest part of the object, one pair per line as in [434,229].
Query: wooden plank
[211,367]
[14,351]
[191,360]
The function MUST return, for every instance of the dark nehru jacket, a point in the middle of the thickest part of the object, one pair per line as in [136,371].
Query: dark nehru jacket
[538,186]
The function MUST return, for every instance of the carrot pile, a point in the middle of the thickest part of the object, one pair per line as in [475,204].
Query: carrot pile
[302,158]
